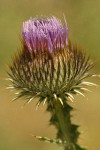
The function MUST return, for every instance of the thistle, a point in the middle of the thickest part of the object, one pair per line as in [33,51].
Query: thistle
[50,68]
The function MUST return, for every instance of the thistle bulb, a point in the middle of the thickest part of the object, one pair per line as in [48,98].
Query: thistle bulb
[48,66]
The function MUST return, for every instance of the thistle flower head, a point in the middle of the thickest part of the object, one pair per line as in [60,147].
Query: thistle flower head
[48,66]
[45,33]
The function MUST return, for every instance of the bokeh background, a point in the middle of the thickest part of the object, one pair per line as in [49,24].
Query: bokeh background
[19,123]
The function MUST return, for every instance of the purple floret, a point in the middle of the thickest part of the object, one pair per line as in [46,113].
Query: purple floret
[45,33]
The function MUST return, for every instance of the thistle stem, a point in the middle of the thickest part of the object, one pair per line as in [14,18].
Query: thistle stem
[64,127]
[64,122]
[61,118]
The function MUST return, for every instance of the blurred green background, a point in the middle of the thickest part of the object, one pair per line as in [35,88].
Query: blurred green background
[18,123]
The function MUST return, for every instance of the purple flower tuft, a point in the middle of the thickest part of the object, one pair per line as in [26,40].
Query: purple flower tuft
[45,33]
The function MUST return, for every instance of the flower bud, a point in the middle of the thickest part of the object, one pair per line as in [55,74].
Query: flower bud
[48,65]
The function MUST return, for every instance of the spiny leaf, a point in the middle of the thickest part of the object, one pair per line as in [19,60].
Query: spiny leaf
[53,141]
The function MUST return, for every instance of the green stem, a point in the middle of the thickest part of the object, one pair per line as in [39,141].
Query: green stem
[61,118]
[62,122]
